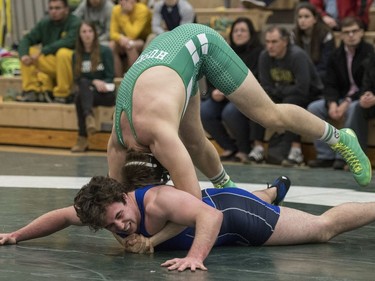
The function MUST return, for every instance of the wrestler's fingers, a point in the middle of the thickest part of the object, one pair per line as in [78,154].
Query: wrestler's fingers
[169,262]
[133,239]
[200,266]
[193,266]
[6,240]
[131,242]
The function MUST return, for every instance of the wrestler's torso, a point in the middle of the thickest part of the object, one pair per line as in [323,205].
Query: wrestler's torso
[182,51]
[247,219]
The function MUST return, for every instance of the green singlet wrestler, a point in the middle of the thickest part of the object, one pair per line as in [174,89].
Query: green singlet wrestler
[157,109]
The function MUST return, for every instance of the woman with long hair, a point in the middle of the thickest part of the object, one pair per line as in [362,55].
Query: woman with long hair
[313,35]
[93,74]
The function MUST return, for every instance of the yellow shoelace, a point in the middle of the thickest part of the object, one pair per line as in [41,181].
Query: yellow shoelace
[349,156]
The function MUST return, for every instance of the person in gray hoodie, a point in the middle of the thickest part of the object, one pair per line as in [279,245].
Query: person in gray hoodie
[98,12]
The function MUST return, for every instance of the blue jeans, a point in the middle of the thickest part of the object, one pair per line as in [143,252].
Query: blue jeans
[359,123]
[226,125]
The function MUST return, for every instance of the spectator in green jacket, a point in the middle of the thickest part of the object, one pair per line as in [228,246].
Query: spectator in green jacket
[94,73]
[46,71]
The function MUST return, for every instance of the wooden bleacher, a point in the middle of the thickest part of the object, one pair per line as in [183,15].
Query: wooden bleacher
[47,125]
[55,125]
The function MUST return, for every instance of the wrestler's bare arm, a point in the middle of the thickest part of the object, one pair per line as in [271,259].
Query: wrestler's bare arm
[184,209]
[116,155]
[44,225]
[137,243]
[168,148]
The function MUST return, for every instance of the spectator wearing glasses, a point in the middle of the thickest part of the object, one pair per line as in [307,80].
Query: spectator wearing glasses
[343,83]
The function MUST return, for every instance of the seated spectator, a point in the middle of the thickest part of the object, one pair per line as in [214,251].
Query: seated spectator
[130,26]
[98,12]
[47,71]
[364,108]
[343,83]
[220,118]
[94,73]
[288,76]
[168,14]
[334,11]
[313,35]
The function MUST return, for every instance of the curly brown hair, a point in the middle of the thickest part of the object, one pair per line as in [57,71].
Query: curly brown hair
[141,169]
[93,198]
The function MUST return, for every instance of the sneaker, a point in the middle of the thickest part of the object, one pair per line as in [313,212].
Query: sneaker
[256,154]
[351,151]
[59,100]
[47,97]
[90,124]
[227,183]
[295,158]
[65,100]
[282,185]
[81,146]
[28,96]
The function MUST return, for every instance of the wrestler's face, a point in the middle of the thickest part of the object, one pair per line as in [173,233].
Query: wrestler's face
[240,34]
[305,19]
[121,218]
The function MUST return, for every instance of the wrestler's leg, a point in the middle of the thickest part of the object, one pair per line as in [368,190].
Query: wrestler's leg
[268,194]
[253,101]
[201,150]
[297,227]
[227,72]
[275,193]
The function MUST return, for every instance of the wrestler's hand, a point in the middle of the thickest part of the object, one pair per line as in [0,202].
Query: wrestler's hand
[185,263]
[7,239]
[136,243]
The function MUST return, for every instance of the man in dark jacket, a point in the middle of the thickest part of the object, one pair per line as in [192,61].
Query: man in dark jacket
[343,83]
[288,76]
[364,108]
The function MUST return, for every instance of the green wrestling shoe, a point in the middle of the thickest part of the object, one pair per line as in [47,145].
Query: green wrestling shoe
[351,151]
[227,183]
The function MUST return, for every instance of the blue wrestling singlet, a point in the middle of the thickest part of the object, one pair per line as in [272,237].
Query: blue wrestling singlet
[247,219]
